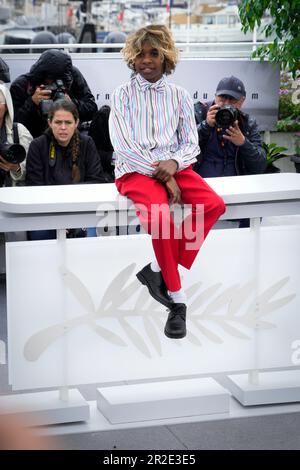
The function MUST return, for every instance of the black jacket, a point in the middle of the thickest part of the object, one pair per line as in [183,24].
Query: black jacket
[4,71]
[54,64]
[250,158]
[40,172]
[100,134]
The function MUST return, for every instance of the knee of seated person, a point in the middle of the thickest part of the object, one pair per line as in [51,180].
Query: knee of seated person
[155,214]
[218,205]
[160,225]
[221,205]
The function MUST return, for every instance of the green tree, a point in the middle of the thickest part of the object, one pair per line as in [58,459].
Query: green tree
[285,21]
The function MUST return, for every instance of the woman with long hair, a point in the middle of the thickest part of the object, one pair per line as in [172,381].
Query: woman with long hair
[62,155]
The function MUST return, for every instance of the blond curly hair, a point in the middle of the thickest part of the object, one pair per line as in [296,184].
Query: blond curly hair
[160,38]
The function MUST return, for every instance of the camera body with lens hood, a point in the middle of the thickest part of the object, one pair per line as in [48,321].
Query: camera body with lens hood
[226,116]
[12,153]
[58,91]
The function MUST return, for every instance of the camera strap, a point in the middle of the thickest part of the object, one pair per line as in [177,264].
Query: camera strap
[52,154]
[16,133]
[220,137]
[3,135]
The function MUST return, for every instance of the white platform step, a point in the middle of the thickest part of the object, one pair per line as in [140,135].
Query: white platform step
[273,387]
[159,400]
[44,408]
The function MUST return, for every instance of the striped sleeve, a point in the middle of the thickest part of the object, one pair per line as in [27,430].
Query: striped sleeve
[126,149]
[188,147]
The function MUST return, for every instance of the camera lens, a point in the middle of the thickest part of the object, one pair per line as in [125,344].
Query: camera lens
[226,116]
[13,153]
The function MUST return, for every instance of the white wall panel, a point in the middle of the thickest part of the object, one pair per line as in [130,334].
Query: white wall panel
[114,330]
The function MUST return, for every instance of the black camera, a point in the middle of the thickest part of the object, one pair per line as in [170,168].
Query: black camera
[226,116]
[58,91]
[12,153]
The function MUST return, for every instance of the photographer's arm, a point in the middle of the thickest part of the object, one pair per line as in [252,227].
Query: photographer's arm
[25,140]
[7,166]
[24,107]
[17,170]
[252,152]
[205,122]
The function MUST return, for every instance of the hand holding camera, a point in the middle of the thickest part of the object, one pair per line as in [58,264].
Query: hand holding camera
[234,135]
[41,93]
[8,166]
[211,115]
[11,155]
[225,118]
[47,94]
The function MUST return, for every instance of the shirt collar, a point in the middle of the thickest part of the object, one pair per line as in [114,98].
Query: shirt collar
[144,85]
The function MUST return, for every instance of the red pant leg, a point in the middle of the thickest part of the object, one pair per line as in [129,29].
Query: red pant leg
[206,207]
[170,247]
[148,196]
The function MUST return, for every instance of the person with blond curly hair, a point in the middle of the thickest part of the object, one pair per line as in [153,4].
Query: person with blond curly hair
[154,135]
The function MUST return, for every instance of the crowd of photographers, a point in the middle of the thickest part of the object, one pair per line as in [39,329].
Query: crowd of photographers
[229,139]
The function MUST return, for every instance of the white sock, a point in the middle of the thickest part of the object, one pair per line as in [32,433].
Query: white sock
[155,266]
[178,297]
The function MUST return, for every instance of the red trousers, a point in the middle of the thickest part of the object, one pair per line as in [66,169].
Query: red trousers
[173,245]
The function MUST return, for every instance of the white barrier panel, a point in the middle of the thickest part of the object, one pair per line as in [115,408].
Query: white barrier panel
[93,322]
[199,76]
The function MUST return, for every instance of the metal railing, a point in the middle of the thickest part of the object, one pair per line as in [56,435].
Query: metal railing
[190,49]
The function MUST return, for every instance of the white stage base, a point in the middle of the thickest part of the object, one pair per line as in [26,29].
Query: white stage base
[160,400]
[45,408]
[273,387]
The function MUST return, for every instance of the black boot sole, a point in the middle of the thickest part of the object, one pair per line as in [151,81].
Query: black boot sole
[175,335]
[144,281]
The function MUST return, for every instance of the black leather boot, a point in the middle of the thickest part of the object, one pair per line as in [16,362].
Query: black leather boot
[175,326]
[156,285]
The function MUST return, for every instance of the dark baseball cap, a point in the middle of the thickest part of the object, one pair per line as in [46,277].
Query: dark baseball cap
[231,86]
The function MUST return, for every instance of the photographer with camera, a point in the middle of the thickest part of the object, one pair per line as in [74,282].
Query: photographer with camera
[229,139]
[51,78]
[14,143]
[62,155]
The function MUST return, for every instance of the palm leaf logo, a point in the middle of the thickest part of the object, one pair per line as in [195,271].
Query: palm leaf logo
[202,311]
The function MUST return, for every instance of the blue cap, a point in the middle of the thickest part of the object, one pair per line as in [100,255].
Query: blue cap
[231,86]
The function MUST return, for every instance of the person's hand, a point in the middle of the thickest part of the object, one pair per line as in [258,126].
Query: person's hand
[235,135]
[40,94]
[174,191]
[211,115]
[7,166]
[164,170]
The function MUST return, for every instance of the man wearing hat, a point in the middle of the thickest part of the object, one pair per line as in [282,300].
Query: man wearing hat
[234,146]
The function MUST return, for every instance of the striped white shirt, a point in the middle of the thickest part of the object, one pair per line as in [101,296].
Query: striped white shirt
[150,122]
